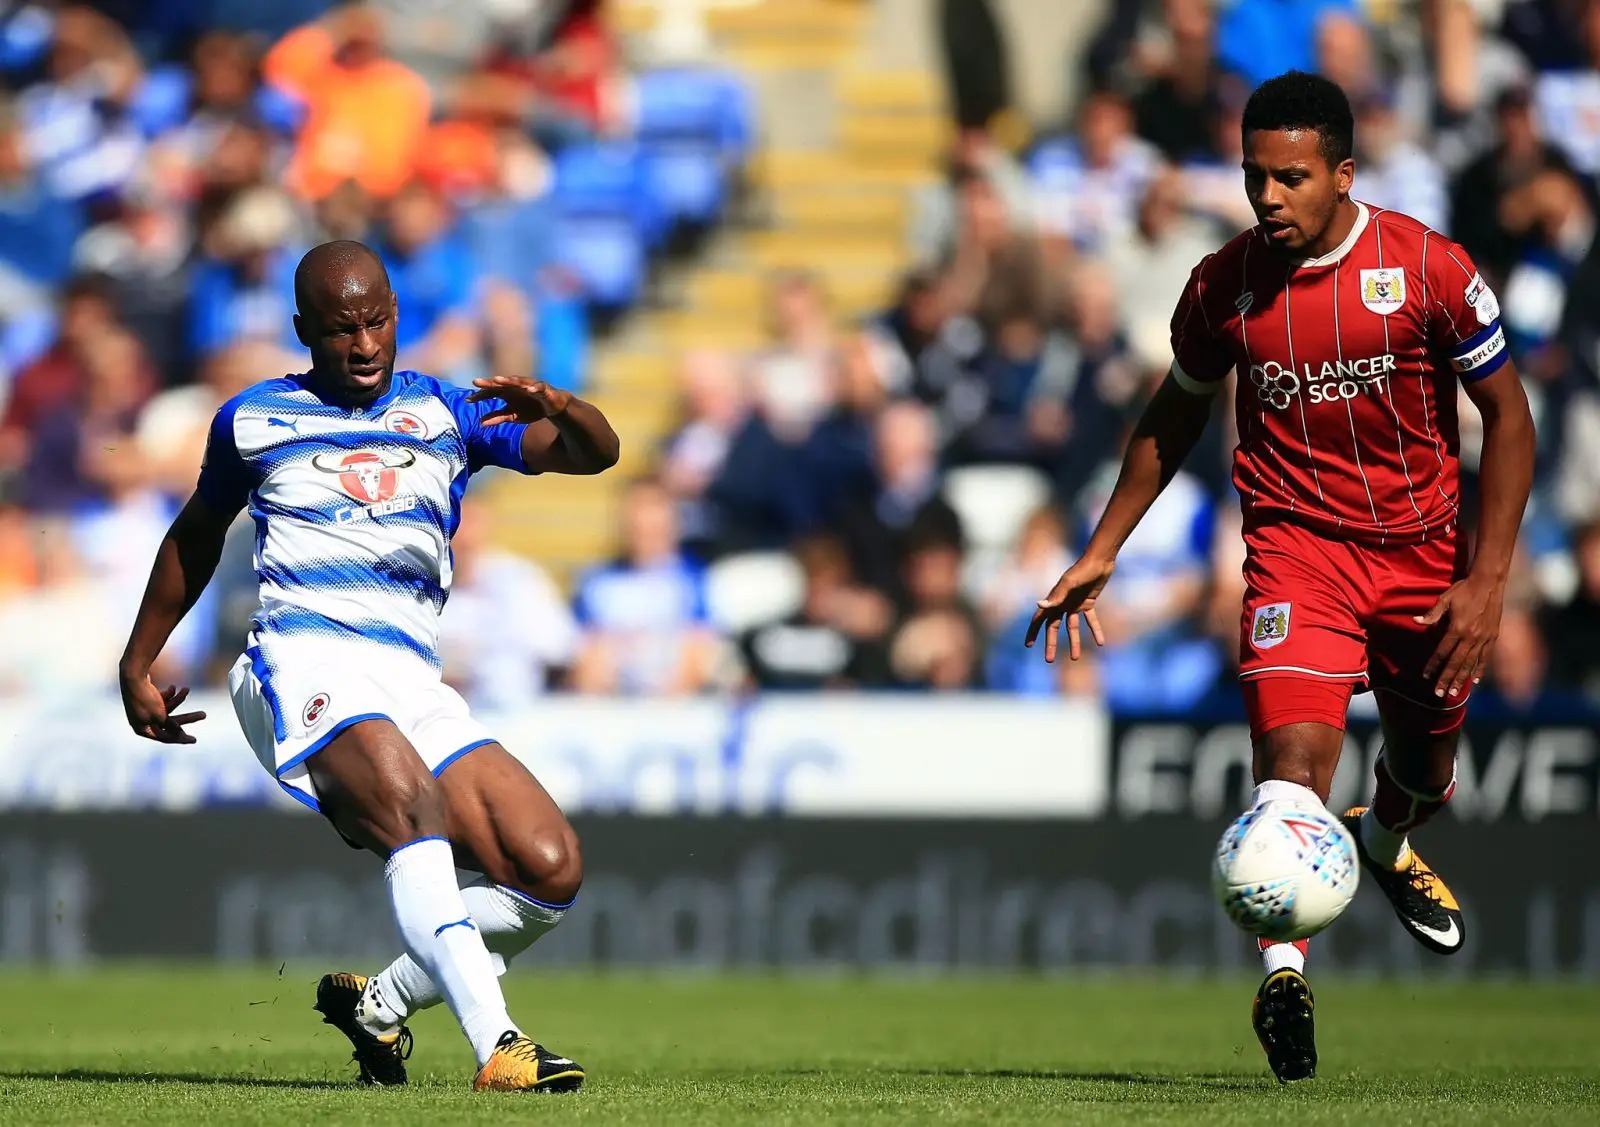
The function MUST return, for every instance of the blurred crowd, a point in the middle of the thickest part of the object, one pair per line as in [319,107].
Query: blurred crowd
[873,503]
[931,470]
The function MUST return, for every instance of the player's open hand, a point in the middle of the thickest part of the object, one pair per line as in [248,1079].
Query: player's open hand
[1473,607]
[150,711]
[1073,595]
[527,400]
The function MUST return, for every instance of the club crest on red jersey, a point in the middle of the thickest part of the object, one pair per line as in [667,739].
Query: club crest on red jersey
[1383,290]
[1270,625]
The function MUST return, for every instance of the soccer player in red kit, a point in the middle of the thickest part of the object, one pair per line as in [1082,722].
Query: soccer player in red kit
[1348,327]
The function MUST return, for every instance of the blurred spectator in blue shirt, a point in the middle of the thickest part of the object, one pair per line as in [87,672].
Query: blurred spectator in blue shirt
[509,230]
[644,615]
[1154,659]
[1569,99]
[1394,172]
[498,660]
[1258,39]
[1008,602]
[244,287]
[37,230]
[433,274]
[1090,185]
[78,134]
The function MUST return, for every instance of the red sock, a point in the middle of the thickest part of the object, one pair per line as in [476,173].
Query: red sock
[1399,810]
[1276,956]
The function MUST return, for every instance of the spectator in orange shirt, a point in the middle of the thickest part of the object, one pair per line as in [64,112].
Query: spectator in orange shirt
[366,115]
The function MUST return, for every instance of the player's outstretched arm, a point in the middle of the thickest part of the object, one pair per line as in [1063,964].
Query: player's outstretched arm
[1167,431]
[1474,604]
[565,434]
[184,564]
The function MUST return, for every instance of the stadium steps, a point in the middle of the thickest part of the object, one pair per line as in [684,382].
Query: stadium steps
[844,145]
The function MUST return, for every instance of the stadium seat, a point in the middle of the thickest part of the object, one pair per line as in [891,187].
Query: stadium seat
[994,502]
[162,100]
[608,179]
[694,126]
[606,222]
[752,588]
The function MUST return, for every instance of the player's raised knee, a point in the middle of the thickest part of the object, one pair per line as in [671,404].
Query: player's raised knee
[546,864]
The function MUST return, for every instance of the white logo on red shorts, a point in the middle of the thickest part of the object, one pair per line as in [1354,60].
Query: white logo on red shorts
[1270,625]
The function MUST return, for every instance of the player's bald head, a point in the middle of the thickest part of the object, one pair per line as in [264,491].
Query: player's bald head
[331,274]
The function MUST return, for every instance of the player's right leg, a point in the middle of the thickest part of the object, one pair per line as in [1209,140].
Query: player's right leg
[1293,762]
[1301,654]
[377,791]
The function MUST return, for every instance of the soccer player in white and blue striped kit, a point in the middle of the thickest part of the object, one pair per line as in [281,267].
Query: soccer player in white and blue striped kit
[353,474]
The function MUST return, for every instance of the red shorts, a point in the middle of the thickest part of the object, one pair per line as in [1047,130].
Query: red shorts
[1325,618]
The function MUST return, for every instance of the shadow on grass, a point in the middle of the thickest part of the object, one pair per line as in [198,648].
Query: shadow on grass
[99,1076]
[1216,1080]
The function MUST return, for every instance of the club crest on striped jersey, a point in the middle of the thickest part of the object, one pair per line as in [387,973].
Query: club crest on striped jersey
[369,476]
[1270,625]
[1383,290]
[406,423]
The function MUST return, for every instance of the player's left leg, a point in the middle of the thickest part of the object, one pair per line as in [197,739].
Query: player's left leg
[1415,774]
[504,825]
[1414,779]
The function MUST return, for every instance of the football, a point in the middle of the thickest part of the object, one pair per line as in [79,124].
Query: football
[1285,870]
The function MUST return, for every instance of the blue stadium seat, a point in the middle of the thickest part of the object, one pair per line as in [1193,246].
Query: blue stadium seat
[695,127]
[162,100]
[608,179]
[607,221]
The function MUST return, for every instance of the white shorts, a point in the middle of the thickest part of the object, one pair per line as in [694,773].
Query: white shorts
[293,696]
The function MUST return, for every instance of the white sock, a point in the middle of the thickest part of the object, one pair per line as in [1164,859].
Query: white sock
[508,921]
[440,935]
[1281,790]
[1383,844]
[1278,956]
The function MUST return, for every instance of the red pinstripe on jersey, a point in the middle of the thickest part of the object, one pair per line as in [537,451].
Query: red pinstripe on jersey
[1347,368]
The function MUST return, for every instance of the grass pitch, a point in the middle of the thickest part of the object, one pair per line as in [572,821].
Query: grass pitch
[175,1046]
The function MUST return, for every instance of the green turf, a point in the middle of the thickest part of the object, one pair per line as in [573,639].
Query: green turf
[141,1045]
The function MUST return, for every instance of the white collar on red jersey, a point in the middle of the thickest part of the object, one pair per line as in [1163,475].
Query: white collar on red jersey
[1343,248]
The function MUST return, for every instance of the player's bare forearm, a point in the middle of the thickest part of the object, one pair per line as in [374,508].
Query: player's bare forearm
[184,565]
[1171,424]
[1506,473]
[575,440]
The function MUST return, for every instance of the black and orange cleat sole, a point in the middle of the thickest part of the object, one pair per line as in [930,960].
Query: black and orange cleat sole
[1283,1017]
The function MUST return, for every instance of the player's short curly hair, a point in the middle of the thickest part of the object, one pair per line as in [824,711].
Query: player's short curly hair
[1299,100]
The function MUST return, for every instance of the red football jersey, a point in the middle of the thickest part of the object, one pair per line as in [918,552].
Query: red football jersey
[1347,365]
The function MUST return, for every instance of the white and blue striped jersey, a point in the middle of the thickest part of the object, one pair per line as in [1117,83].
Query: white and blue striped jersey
[354,507]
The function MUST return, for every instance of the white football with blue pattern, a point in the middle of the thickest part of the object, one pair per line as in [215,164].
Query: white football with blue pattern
[1285,870]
